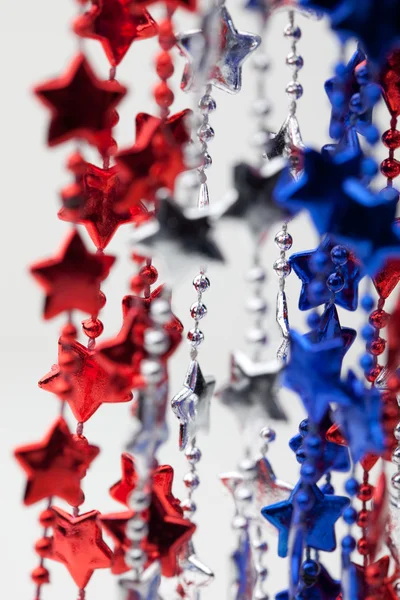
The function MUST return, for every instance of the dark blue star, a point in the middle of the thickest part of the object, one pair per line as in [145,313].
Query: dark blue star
[326,588]
[319,189]
[319,520]
[314,367]
[303,265]
[376,23]
[359,417]
[365,221]
[340,89]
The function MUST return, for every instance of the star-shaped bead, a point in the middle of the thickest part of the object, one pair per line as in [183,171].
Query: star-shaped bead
[56,465]
[195,574]
[359,415]
[156,158]
[373,580]
[325,588]
[390,82]
[168,530]
[177,231]
[268,488]
[314,367]
[99,193]
[288,144]
[335,436]
[191,405]
[72,278]
[305,267]
[144,588]
[252,384]
[319,189]
[81,105]
[235,46]
[78,544]
[387,278]
[116,25]
[90,384]
[320,519]
[252,196]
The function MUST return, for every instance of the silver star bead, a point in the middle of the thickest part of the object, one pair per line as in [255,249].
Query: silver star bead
[252,384]
[226,73]
[144,588]
[192,404]
[269,489]
[288,143]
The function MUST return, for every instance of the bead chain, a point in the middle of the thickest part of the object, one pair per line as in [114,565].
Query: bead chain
[261,106]
[205,133]
[294,89]
[282,268]
[256,305]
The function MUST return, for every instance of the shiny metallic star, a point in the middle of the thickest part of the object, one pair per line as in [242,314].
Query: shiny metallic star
[252,384]
[194,574]
[269,489]
[235,47]
[192,404]
[145,588]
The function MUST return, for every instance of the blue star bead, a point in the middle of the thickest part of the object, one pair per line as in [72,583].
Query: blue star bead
[313,368]
[319,520]
[326,588]
[359,417]
[303,264]
[319,189]
[366,222]
[376,23]
[331,457]
[340,90]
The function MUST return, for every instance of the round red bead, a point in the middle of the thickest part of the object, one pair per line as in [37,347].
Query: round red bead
[43,546]
[365,492]
[363,546]
[148,274]
[362,519]
[377,346]
[373,373]
[390,168]
[102,299]
[163,95]
[164,65]
[92,328]
[166,36]
[46,518]
[379,318]
[40,576]
[391,139]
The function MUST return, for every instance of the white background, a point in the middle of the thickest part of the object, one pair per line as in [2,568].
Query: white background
[36,44]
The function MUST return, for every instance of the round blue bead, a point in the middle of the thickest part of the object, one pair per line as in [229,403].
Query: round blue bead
[368,333]
[340,70]
[308,472]
[300,456]
[369,167]
[348,543]
[366,362]
[304,500]
[335,282]
[367,303]
[372,134]
[339,255]
[303,427]
[351,486]
[310,567]
[350,515]
[327,488]
[313,320]
[313,445]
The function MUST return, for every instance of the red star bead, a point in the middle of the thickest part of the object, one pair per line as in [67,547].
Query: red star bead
[81,105]
[374,582]
[56,465]
[335,436]
[100,190]
[156,158]
[390,81]
[386,280]
[77,543]
[91,385]
[121,490]
[168,530]
[72,278]
[116,26]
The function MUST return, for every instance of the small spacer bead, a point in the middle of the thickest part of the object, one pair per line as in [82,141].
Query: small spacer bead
[46,518]
[40,576]
[43,546]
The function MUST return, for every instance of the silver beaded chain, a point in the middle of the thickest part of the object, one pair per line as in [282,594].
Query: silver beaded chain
[205,133]
[256,305]
[282,268]
[395,481]
[261,107]
[294,89]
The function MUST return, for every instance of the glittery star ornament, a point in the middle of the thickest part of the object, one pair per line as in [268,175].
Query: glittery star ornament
[303,264]
[81,105]
[268,488]
[252,384]
[359,416]
[90,385]
[235,46]
[168,530]
[191,405]
[156,158]
[99,193]
[72,278]
[325,588]
[116,25]
[319,520]
[314,367]
[56,465]
[78,544]
[390,82]
[177,231]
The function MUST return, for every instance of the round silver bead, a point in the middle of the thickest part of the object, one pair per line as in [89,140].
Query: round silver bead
[292,31]
[248,468]
[256,305]
[198,310]
[260,139]
[156,341]
[283,240]
[152,370]
[260,62]
[244,494]
[136,529]
[195,337]
[207,104]
[160,310]
[262,572]
[207,161]
[193,455]
[189,507]
[294,60]
[191,480]
[396,456]
[294,90]
[396,481]
[139,500]
[260,545]
[267,434]
[261,108]
[201,283]
[282,267]
[260,595]
[256,274]
[397,432]
[239,523]
[206,133]
[135,558]
[257,336]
